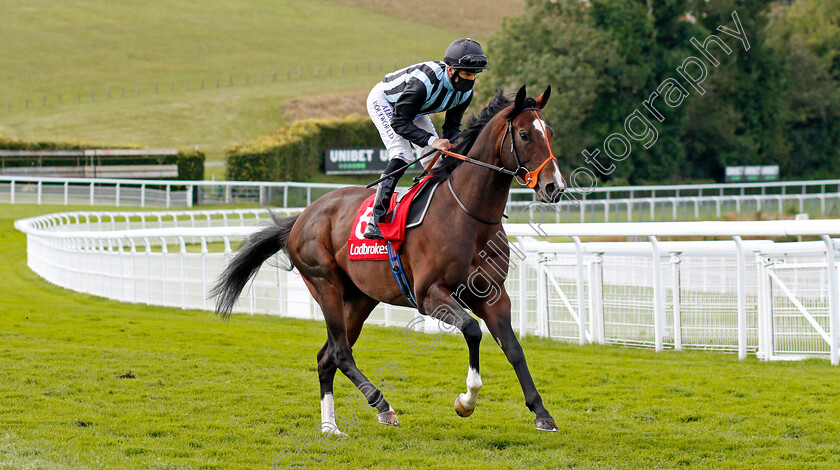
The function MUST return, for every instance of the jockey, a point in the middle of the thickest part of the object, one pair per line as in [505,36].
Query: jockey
[400,106]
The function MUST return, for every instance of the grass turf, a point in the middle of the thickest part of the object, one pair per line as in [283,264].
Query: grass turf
[214,394]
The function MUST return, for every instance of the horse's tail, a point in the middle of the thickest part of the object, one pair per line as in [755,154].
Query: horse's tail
[250,255]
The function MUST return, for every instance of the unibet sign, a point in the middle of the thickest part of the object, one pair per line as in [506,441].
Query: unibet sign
[357,161]
[753,173]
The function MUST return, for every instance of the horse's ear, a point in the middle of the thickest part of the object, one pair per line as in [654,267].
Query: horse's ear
[542,100]
[520,98]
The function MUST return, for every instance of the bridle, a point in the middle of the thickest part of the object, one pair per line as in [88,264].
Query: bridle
[529,179]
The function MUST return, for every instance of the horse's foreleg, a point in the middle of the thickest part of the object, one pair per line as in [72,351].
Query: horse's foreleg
[465,403]
[440,304]
[497,317]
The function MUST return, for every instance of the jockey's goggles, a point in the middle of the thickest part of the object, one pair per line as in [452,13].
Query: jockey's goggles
[472,61]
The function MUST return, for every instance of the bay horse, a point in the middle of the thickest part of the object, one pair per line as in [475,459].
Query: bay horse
[509,140]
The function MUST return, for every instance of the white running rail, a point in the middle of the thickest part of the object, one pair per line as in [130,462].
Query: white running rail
[602,204]
[776,299]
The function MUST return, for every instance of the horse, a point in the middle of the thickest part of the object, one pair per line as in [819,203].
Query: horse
[508,140]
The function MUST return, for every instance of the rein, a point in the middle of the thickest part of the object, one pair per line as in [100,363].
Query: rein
[530,179]
[500,169]
[469,212]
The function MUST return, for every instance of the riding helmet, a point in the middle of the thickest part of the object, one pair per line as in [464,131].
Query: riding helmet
[465,54]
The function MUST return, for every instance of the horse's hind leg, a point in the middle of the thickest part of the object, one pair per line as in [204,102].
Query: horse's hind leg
[326,376]
[356,310]
[337,352]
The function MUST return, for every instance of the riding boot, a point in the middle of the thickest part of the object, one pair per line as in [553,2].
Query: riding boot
[382,202]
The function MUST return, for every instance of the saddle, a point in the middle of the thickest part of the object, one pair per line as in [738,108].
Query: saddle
[408,210]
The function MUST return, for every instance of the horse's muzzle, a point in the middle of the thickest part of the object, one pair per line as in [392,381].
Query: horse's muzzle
[554,192]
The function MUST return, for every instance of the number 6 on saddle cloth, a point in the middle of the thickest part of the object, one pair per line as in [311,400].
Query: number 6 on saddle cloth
[407,211]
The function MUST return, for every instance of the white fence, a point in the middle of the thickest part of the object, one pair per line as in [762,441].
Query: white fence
[778,300]
[602,204]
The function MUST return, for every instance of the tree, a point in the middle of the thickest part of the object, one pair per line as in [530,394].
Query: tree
[554,44]
[807,35]
[773,102]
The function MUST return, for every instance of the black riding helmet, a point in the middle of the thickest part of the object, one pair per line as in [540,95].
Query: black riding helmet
[465,54]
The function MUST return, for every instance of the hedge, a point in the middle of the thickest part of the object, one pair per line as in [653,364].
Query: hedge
[15,144]
[296,152]
[190,163]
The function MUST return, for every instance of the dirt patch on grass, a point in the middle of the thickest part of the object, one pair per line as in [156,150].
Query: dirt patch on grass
[476,18]
[327,106]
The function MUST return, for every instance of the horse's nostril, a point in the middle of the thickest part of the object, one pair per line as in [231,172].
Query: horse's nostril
[554,192]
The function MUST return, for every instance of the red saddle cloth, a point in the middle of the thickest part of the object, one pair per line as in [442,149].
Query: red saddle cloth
[361,248]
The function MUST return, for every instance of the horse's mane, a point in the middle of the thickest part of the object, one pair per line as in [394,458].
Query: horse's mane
[468,136]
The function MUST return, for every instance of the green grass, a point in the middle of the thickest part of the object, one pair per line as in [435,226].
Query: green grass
[210,119]
[214,394]
[88,46]
[52,46]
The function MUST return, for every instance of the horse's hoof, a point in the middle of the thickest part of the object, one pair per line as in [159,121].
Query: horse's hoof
[388,417]
[330,428]
[459,408]
[545,424]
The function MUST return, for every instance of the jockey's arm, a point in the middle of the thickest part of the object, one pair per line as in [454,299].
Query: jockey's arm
[406,109]
[452,121]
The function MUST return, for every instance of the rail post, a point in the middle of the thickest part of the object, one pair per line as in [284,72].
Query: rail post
[163,252]
[596,288]
[133,273]
[183,255]
[833,300]
[764,310]
[148,253]
[123,296]
[658,300]
[742,299]
[204,290]
[675,296]
[542,300]
[580,289]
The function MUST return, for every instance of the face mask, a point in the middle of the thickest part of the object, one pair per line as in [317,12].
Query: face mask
[460,83]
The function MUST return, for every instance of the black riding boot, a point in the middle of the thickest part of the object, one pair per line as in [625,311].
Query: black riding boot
[383,199]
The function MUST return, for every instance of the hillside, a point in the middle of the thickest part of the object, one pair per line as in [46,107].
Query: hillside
[478,19]
[185,73]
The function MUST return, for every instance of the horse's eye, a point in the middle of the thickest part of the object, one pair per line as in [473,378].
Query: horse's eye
[523,135]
